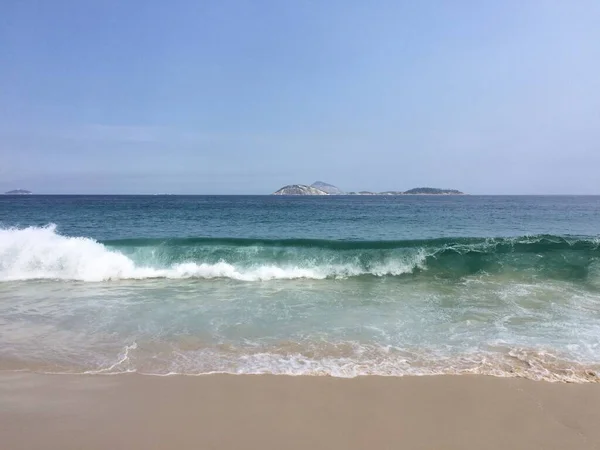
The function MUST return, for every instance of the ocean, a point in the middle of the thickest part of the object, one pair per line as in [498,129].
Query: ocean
[340,285]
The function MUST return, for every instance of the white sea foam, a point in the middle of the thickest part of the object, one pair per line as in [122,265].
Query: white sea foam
[359,361]
[118,366]
[41,253]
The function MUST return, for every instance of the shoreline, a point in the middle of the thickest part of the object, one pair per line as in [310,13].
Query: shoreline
[131,411]
[580,377]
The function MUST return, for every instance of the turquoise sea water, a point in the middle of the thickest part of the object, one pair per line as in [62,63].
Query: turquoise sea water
[345,286]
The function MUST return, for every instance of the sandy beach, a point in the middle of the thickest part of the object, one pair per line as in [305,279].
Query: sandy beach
[280,412]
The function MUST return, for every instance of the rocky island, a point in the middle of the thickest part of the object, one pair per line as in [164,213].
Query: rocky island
[328,188]
[18,192]
[322,188]
[432,191]
[299,189]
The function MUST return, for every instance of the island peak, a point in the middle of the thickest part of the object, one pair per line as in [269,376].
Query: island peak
[328,188]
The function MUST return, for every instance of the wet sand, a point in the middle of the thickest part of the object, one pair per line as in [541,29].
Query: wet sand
[65,412]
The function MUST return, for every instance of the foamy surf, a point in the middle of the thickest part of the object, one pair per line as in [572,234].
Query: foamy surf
[41,253]
[341,360]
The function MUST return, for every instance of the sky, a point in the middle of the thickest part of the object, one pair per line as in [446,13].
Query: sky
[242,97]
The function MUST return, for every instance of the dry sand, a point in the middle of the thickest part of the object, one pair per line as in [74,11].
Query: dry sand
[278,412]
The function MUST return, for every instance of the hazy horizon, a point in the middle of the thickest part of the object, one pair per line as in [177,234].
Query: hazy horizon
[241,97]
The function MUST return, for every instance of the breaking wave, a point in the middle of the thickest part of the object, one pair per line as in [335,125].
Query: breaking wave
[42,253]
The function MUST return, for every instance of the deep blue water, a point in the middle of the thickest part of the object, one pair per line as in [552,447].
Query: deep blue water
[339,217]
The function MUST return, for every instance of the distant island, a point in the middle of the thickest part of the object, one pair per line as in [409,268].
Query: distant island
[432,191]
[299,189]
[322,188]
[18,192]
[327,188]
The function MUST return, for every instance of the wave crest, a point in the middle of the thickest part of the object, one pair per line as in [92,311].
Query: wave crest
[42,253]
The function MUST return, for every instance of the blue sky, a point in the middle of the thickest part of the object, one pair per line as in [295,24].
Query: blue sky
[234,97]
